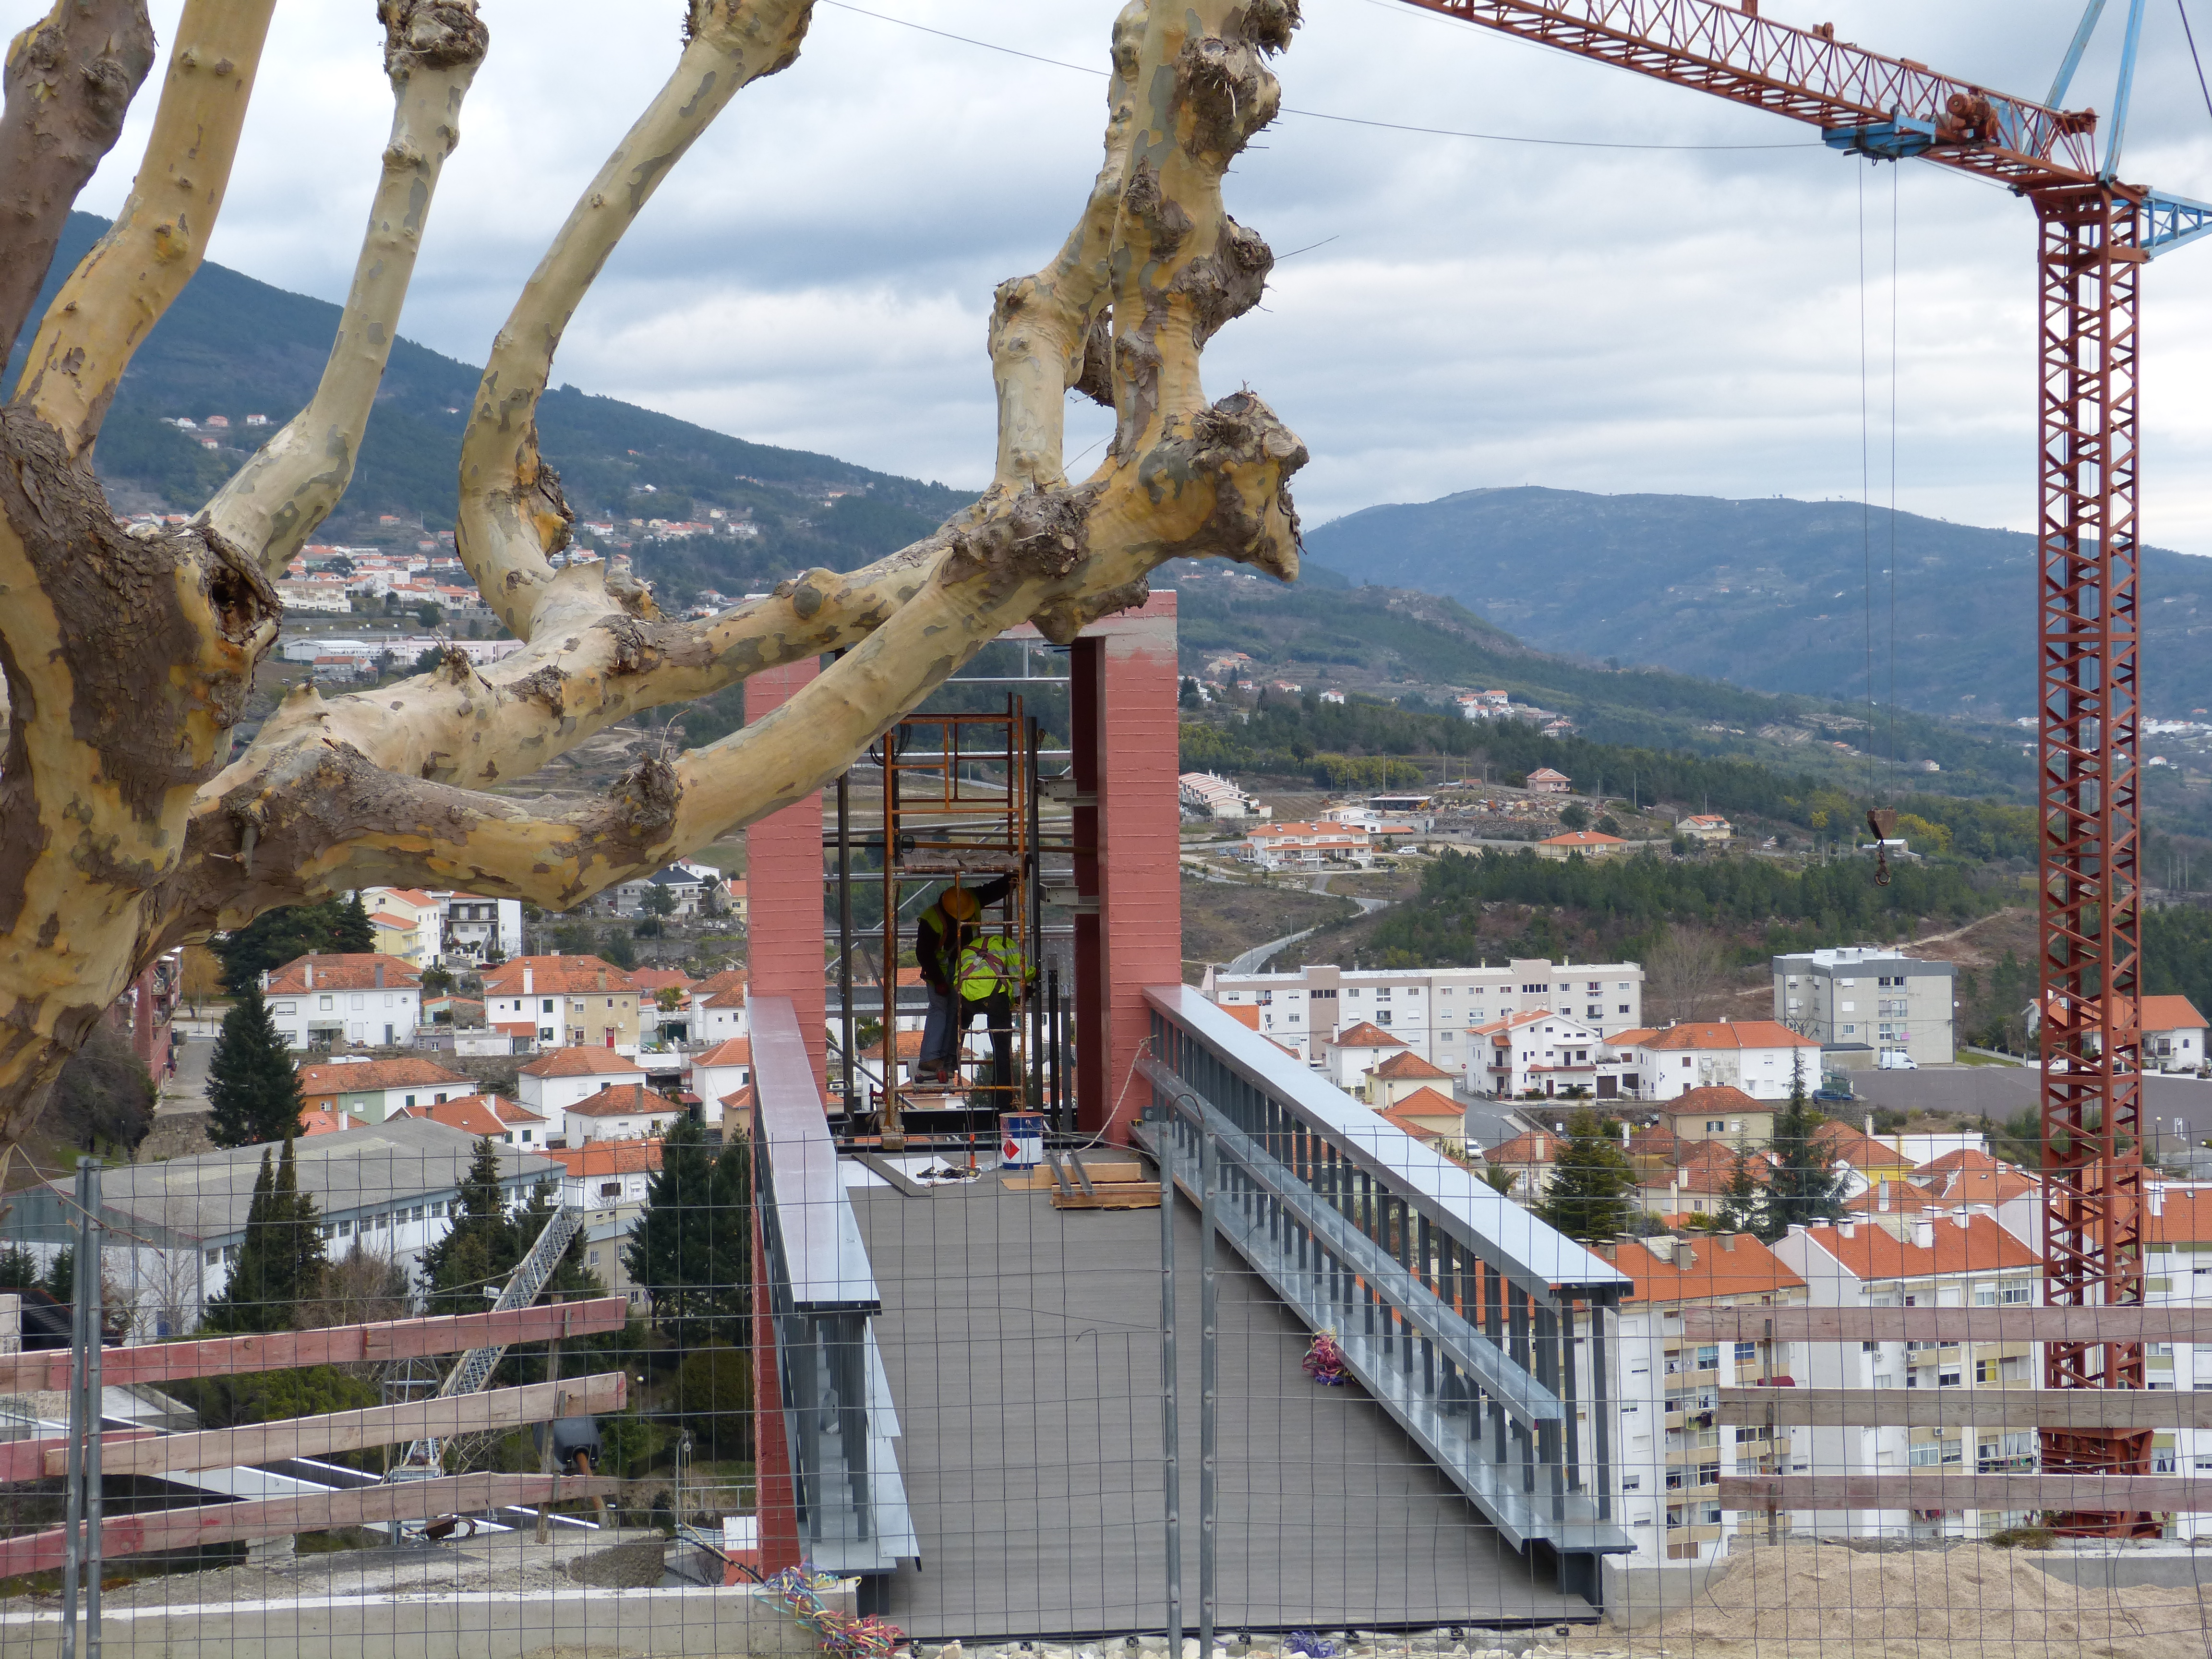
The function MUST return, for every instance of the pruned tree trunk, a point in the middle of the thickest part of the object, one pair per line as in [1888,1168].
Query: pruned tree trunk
[123,832]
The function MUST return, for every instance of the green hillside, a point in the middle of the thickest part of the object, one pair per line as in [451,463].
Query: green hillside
[233,346]
[1767,593]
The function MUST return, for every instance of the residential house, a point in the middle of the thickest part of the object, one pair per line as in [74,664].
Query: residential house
[1589,844]
[322,1002]
[1871,999]
[406,922]
[720,1071]
[689,887]
[318,1121]
[1672,1453]
[1217,798]
[718,1007]
[1353,1054]
[480,930]
[1867,1158]
[1306,846]
[2178,1272]
[2172,1034]
[1942,1263]
[553,1082]
[1400,1074]
[1483,705]
[1429,1010]
[620,1111]
[572,1000]
[1539,1051]
[1544,781]
[1428,1114]
[1758,1056]
[1529,1158]
[375,1089]
[487,1117]
[1691,1188]
[1719,1112]
[1709,827]
[663,1005]
[609,1180]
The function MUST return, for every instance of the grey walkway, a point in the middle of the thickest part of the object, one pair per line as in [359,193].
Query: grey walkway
[1022,1347]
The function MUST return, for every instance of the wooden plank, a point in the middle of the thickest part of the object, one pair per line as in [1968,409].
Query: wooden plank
[136,1453]
[1145,1196]
[219,1523]
[334,1345]
[1933,1489]
[1103,1175]
[1979,1408]
[1947,1325]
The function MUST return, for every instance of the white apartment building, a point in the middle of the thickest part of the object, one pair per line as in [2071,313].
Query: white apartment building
[1431,1009]
[1759,1056]
[1943,1263]
[1540,1050]
[1669,1450]
[1306,846]
[321,1001]
[2177,1271]
[480,929]
[1868,996]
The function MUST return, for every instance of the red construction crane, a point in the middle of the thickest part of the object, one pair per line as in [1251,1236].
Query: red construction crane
[2096,235]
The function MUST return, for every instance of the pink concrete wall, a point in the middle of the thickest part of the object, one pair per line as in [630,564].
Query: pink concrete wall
[783,878]
[1126,741]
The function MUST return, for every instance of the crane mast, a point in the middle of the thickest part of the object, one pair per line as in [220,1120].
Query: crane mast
[2094,235]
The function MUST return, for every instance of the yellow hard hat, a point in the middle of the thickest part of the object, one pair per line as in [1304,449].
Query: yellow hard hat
[959,904]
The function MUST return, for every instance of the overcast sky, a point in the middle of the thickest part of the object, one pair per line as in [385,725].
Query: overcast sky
[1683,315]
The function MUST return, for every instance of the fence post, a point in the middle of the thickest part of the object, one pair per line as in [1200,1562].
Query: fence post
[81,1530]
[1167,1130]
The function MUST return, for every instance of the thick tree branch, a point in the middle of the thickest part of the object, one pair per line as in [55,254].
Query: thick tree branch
[432,49]
[513,517]
[112,301]
[1041,325]
[69,81]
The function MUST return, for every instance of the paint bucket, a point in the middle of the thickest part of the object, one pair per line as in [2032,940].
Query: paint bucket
[1021,1140]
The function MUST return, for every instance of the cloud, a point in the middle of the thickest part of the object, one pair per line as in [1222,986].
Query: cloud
[818,269]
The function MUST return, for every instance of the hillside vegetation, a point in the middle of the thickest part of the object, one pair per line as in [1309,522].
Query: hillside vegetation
[1770,593]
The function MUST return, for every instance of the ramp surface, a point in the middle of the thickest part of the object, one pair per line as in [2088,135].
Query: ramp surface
[1022,1347]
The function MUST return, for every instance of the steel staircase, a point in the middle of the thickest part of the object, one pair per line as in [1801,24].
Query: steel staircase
[423,1461]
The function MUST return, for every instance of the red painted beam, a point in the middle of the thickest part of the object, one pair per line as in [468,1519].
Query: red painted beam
[334,1345]
[222,1523]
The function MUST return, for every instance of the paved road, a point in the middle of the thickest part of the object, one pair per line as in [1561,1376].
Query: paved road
[1368,905]
[187,1090]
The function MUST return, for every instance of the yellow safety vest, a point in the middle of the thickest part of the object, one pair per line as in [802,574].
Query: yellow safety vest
[989,965]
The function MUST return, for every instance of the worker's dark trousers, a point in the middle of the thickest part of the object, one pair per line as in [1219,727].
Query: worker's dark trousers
[998,1011]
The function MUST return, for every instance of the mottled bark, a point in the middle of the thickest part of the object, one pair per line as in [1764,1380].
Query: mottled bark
[116,840]
[69,81]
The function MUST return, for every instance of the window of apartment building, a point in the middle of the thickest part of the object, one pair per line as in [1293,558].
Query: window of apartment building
[1947,1378]
[1715,1126]
[1624,1008]
[1624,985]
[1264,998]
[2017,1292]
[1745,1352]
[1851,1031]
[1535,990]
[1595,1011]
[1381,993]
[1709,1355]
[1594,987]
[546,1006]
[1382,1016]
[1321,996]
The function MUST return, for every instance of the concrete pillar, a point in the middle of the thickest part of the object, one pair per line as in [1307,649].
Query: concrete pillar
[783,874]
[1122,707]
[775,1497]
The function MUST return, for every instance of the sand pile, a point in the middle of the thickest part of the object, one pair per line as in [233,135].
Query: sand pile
[1824,1602]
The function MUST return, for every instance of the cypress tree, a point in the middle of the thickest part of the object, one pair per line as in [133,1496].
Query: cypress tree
[1739,1198]
[1587,1197]
[61,1274]
[1804,1187]
[280,1265]
[254,1092]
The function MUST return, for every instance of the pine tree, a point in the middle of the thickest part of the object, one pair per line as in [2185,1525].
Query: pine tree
[692,1247]
[481,1249]
[350,932]
[1739,1198]
[19,1268]
[60,1281]
[254,1092]
[245,1303]
[1803,1188]
[1587,1197]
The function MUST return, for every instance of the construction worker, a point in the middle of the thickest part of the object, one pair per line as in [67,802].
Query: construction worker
[940,935]
[993,969]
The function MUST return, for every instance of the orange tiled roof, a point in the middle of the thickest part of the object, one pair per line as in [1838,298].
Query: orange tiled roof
[660,979]
[1887,1197]
[1978,1245]
[1632,1039]
[314,1121]
[732,1051]
[1715,1098]
[1979,1178]
[739,1101]
[477,1114]
[581,1062]
[1728,1034]
[1243,1013]
[1364,1036]
[1427,1103]
[607,1158]
[1703,1270]
[1847,1146]
[401,1073]
[1409,1065]
[556,976]
[2170,1014]
[730,979]
[1537,1146]
[353,971]
[623,1100]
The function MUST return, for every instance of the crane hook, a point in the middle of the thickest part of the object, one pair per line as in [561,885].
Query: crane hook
[1883,820]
